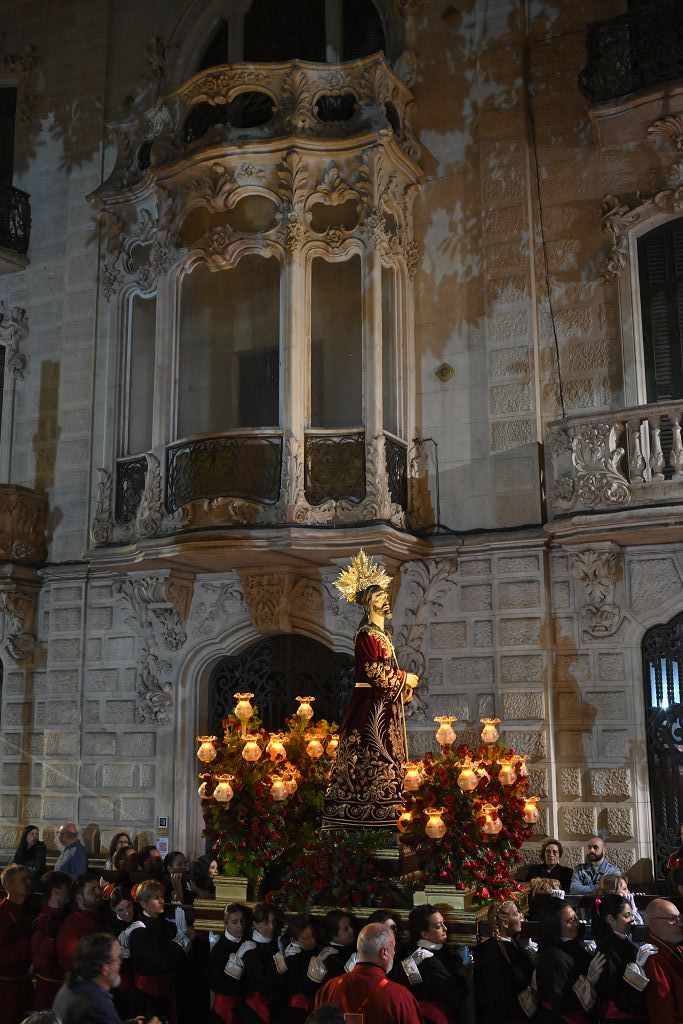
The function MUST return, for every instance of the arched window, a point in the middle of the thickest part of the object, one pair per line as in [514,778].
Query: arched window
[663,678]
[660,267]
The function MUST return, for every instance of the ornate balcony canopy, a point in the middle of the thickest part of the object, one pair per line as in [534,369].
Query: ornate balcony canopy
[635,51]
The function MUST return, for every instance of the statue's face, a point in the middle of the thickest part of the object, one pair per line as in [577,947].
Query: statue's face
[379,603]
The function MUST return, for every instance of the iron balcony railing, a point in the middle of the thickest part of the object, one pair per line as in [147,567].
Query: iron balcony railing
[15,219]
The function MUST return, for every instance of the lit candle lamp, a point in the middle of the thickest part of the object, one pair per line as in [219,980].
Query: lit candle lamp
[291,784]
[331,748]
[489,734]
[492,824]
[467,779]
[530,811]
[275,748]
[278,790]
[243,710]
[305,711]
[404,821]
[251,750]
[207,751]
[413,779]
[224,791]
[435,827]
[507,773]
[445,735]
[315,748]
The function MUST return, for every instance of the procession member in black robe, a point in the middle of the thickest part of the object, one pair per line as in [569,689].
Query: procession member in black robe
[508,962]
[156,954]
[224,974]
[566,973]
[263,979]
[434,975]
[301,945]
[339,952]
[366,784]
[621,988]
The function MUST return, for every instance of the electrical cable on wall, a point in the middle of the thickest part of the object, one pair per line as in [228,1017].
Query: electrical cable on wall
[437,526]
[541,226]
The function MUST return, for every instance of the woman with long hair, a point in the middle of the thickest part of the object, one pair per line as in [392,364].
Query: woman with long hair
[566,973]
[509,960]
[621,984]
[31,854]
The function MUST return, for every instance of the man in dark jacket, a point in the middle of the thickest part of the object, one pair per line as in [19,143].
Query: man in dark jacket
[86,997]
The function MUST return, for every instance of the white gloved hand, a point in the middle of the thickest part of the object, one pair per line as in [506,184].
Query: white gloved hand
[595,968]
[645,952]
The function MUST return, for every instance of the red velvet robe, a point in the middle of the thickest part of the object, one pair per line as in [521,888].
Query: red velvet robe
[392,1004]
[16,990]
[664,994]
[76,924]
[366,786]
[49,974]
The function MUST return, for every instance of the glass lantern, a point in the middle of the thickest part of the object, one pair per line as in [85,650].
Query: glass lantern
[243,710]
[305,711]
[507,774]
[315,748]
[467,779]
[413,779]
[492,823]
[278,790]
[435,827]
[223,792]
[332,745]
[489,734]
[530,811]
[251,750]
[207,751]
[275,748]
[445,734]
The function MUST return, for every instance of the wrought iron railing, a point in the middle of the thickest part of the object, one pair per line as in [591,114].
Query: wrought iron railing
[634,51]
[130,486]
[334,467]
[397,470]
[15,219]
[232,466]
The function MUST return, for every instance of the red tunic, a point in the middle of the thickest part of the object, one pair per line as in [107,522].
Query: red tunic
[16,990]
[388,1004]
[366,785]
[49,975]
[77,924]
[664,994]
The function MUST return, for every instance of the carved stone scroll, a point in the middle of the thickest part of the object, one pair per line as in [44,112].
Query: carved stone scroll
[598,570]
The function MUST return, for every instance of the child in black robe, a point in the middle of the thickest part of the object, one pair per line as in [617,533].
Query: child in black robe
[621,986]
[224,974]
[263,978]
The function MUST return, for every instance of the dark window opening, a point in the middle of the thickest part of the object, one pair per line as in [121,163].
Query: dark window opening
[8,115]
[660,265]
[217,51]
[246,110]
[279,30]
[336,108]
[392,117]
[363,30]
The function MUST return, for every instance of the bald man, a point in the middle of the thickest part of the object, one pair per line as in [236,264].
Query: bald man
[664,994]
[366,990]
[73,859]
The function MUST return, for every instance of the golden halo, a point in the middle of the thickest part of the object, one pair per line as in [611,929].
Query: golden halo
[361,573]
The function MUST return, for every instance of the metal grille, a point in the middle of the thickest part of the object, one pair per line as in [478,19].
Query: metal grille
[275,670]
[335,467]
[15,219]
[130,486]
[663,677]
[224,467]
[397,471]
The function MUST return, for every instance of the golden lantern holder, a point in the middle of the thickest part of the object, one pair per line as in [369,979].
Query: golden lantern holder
[243,710]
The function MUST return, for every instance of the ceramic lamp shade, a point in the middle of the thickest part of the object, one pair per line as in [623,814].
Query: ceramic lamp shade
[413,779]
[223,792]
[435,827]
[251,751]
[445,734]
[530,811]
[305,711]
[207,751]
[278,790]
[489,734]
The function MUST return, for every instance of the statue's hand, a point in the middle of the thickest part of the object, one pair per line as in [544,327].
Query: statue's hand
[412,680]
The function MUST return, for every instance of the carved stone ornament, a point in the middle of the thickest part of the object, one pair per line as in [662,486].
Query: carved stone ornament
[21,68]
[18,602]
[215,606]
[13,331]
[264,596]
[158,607]
[671,128]
[619,218]
[598,570]
[425,586]
[587,467]
[140,256]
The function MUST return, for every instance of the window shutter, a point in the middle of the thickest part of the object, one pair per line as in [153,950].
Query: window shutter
[660,261]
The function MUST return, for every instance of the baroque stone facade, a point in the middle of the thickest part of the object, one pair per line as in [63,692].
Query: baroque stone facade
[509,209]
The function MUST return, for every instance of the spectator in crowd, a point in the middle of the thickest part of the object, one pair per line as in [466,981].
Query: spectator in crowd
[156,954]
[179,886]
[301,945]
[664,969]
[621,983]
[16,990]
[224,973]
[56,886]
[340,945]
[586,876]
[367,990]
[549,866]
[151,862]
[201,880]
[432,973]
[263,978]
[31,854]
[125,865]
[73,859]
[541,892]
[510,961]
[83,920]
[120,921]
[566,973]
[86,998]
[121,839]
[612,883]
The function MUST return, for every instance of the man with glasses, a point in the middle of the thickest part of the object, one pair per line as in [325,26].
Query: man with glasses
[664,968]
[73,859]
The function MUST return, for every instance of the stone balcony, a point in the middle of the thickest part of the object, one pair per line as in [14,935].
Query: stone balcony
[15,229]
[639,50]
[628,458]
[22,525]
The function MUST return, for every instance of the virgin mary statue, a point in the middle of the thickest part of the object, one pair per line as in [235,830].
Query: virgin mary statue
[366,785]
